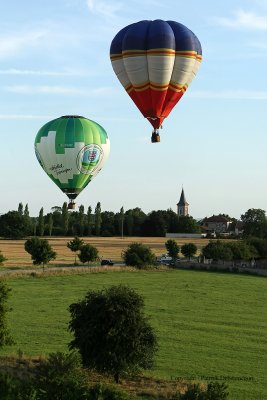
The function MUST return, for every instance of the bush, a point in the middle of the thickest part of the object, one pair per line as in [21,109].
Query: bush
[104,392]
[111,332]
[16,389]
[75,245]
[2,258]
[138,255]
[214,391]
[188,250]
[88,253]
[5,338]
[40,250]
[60,377]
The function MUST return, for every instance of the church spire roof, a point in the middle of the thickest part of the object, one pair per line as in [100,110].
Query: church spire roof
[182,201]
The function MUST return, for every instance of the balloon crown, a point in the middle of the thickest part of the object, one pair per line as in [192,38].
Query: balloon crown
[72,116]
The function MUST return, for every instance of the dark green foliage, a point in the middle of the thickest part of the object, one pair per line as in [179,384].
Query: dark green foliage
[81,220]
[138,255]
[41,224]
[89,221]
[20,209]
[134,219]
[172,248]
[40,250]
[154,224]
[75,245]
[216,250]
[14,225]
[241,250]
[2,258]
[104,392]
[259,244]
[50,224]
[107,224]
[111,331]
[188,250]
[121,221]
[65,218]
[187,224]
[214,391]
[88,253]
[61,378]
[26,211]
[255,223]
[5,338]
[15,389]
[98,219]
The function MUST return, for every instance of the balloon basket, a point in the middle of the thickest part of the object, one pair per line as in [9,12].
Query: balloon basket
[71,206]
[155,138]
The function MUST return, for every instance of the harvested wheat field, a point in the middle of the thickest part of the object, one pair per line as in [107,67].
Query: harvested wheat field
[112,248]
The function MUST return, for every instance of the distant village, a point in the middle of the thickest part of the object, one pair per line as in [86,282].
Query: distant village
[213,226]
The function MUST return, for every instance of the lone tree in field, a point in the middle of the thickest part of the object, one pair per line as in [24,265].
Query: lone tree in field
[138,255]
[88,253]
[172,248]
[188,250]
[2,258]
[111,332]
[40,251]
[75,245]
[5,337]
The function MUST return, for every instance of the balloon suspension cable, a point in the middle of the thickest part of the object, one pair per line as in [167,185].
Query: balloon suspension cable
[155,138]
[71,205]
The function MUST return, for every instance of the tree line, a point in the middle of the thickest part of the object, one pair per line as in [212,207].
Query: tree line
[133,222]
[61,222]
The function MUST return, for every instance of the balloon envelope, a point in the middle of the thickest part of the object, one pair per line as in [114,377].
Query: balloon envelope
[72,150]
[155,61]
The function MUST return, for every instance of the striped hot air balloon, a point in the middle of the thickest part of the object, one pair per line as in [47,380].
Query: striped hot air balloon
[155,61]
[72,150]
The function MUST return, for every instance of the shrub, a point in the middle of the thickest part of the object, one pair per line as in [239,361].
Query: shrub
[138,255]
[40,250]
[60,377]
[104,392]
[172,248]
[214,391]
[5,338]
[111,332]
[16,389]
[188,250]
[75,245]
[2,258]
[88,253]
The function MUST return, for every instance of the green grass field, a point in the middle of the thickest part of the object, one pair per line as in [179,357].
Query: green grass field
[209,324]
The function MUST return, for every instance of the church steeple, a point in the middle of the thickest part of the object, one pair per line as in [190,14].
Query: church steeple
[182,205]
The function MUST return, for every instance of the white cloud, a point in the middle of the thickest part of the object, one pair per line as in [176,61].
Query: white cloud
[246,20]
[66,90]
[12,45]
[229,95]
[104,8]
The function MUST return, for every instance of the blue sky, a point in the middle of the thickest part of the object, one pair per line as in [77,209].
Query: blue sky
[54,60]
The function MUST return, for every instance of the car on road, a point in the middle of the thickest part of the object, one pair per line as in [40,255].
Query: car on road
[107,262]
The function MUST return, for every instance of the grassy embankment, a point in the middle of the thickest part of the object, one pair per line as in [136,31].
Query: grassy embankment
[208,324]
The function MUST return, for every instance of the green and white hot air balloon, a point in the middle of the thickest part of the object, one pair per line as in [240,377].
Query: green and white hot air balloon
[72,150]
